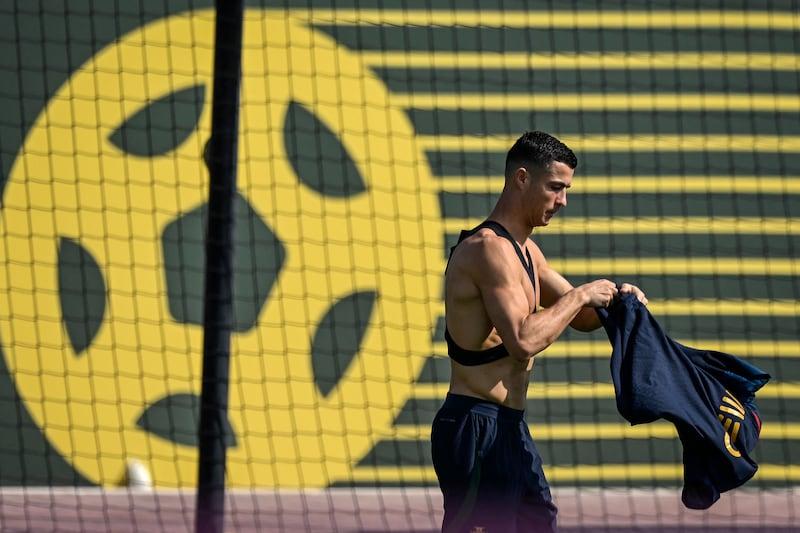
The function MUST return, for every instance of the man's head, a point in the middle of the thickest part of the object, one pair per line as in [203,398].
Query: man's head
[539,169]
[537,150]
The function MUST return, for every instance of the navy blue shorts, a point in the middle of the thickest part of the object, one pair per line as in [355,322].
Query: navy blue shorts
[489,470]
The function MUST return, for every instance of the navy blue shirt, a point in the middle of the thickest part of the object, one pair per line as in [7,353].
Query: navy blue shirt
[709,396]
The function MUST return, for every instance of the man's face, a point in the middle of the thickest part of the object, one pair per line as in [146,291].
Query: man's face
[547,192]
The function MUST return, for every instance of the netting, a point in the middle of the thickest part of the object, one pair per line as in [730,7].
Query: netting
[370,135]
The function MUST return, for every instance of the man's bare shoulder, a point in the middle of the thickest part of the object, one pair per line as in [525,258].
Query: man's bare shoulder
[483,244]
[483,257]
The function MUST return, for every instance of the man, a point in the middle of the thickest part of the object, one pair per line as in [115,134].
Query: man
[504,305]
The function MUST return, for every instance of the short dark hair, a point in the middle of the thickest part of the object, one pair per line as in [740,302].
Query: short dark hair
[539,149]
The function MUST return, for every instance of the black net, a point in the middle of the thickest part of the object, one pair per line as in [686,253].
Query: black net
[370,135]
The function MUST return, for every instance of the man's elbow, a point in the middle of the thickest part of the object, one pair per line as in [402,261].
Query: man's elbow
[522,357]
[524,352]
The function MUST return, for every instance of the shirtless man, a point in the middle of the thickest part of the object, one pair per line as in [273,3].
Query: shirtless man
[504,305]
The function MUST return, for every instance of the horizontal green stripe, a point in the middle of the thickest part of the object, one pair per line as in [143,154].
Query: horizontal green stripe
[673,273]
[493,79]
[554,453]
[650,224]
[729,309]
[622,204]
[596,345]
[490,162]
[743,326]
[580,456]
[762,185]
[548,40]
[570,411]
[660,287]
[724,246]
[566,369]
[605,122]
[609,451]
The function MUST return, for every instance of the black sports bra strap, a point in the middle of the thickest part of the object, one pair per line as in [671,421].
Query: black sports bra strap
[503,232]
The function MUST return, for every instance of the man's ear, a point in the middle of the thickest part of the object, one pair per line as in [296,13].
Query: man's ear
[521,175]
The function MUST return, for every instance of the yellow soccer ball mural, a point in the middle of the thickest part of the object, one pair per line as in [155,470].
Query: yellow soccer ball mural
[338,257]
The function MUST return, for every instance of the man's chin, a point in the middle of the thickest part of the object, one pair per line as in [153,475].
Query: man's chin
[544,221]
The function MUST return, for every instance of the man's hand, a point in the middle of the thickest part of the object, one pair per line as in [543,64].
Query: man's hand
[633,289]
[599,293]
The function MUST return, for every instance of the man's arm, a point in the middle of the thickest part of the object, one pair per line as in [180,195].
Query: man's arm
[554,286]
[494,268]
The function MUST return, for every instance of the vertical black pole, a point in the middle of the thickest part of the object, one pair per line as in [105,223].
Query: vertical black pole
[218,302]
